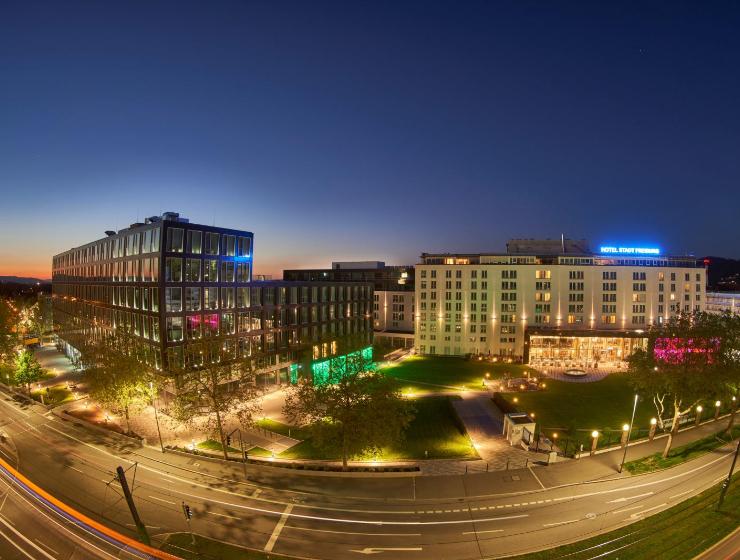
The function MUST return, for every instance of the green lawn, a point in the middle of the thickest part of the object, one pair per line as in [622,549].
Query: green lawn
[295,432]
[434,429]
[257,451]
[55,396]
[680,454]
[213,445]
[181,545]
[576,409]
[679,533]
[423,373]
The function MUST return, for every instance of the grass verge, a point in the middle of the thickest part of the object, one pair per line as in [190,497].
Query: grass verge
[180,544]
[54,396]
[295,432]
[681,454]
[213,445]
[436,429]
[678,533]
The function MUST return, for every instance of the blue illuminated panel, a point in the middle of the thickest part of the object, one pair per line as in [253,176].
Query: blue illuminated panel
[608,250]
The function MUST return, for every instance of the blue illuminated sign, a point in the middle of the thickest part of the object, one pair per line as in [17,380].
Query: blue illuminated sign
[629,250]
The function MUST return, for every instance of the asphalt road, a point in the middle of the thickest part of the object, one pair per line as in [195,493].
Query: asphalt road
[320,516]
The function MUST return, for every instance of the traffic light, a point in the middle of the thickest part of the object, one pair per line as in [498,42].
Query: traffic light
[186,511]
[228,441]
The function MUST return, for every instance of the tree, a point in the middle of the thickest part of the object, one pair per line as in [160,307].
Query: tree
[731,328]
[116,378]
[8,334]
[215,386]
[688,359]
[352,409]
[27,370]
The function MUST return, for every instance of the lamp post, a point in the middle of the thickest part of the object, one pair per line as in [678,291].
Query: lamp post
[156,416]
[717,404]
[726,483]
[629,433]
[698,414]
[653,426]
[595,440]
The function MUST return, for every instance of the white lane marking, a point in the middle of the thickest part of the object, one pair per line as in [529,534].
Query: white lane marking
[47,547]
[351,533]
[278,528]
[223,515]
[627,509]
[630,498]
[24,539]
[479,532]
[12,541]
[75,469]
[376,550]
[537,478]
[643,512]
[681,494]
[561,523]
[161,500]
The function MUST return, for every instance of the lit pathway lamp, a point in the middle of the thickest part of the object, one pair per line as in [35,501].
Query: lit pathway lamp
[717,405]
[594,441]
[653,426]
[625,431]
[698,415]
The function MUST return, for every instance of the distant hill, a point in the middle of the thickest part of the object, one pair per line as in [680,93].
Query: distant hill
[21,280]
[724,274]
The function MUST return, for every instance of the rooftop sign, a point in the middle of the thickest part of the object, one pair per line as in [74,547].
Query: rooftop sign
[629,250]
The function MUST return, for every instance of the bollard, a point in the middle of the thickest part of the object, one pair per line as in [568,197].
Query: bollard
[698,415]
[717,404]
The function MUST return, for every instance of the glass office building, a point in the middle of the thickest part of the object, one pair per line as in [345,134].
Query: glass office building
[173,286]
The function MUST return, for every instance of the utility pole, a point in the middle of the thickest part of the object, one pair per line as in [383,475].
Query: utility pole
[629,433]
[726,483]
[131,505]
[156,417]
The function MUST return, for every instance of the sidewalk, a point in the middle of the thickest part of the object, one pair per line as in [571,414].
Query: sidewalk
[484,424]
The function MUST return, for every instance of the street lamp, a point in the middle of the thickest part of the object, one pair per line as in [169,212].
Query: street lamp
[628,430]
[717,404]
[156,416]
[653,426]
[595,439]
[698,414]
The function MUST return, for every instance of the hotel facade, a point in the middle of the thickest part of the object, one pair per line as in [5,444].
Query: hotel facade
[173,287]
[551,302]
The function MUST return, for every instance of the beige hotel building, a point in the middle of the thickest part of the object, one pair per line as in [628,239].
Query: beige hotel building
[551,302]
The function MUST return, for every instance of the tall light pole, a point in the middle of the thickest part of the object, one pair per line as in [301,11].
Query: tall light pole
[726,483]
[156,417]
[629,433]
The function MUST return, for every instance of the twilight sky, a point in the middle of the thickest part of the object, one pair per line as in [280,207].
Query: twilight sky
[370,130]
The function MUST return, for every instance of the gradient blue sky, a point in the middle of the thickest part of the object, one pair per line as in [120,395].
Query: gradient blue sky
[370,130]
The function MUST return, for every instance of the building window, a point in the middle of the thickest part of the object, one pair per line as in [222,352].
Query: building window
[174,240]
[210,270]
[211,247]
[193,324]
[229,245]
[244,247]
[242,272]
[227,298]
[192,270]
[173,299]
[174,329]
[192,299]
[227,271]
[195,241]
[173,269]
[210,298]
